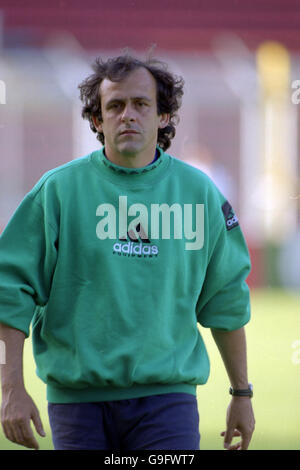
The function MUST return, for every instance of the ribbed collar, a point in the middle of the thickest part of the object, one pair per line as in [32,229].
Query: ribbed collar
[131,177]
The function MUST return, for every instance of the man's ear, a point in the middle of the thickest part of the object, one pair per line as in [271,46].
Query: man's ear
[164,120]
[97,123]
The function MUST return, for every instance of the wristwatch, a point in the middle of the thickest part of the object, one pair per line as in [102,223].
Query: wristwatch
[246,392]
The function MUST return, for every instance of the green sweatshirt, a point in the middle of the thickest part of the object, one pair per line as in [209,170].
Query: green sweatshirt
[112,268]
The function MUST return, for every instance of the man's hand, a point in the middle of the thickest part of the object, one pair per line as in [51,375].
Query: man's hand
[240,422]
[17,410]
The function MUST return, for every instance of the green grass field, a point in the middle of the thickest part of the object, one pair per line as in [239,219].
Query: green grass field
[274,369]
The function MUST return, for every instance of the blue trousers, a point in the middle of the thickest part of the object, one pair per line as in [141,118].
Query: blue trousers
[160,422]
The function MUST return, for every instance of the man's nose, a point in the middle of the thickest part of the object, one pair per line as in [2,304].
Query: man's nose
[128,114]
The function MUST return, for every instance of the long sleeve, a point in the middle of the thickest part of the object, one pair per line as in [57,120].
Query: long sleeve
[224,302]
[27,261]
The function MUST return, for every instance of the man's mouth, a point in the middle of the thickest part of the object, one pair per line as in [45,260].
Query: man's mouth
[128,132]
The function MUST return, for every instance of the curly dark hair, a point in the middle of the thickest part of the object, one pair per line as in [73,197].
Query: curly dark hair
[169,91]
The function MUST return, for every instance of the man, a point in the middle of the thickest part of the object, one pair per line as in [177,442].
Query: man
[103,260]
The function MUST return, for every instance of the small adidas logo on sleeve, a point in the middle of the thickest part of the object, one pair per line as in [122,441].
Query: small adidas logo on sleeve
[231,219]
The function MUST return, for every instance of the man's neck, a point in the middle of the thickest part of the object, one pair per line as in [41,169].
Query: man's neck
[131,161]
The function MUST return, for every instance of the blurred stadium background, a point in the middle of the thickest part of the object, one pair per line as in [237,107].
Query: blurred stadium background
[239,122]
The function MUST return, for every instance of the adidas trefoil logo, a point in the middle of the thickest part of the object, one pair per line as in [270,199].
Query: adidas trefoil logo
[138,244]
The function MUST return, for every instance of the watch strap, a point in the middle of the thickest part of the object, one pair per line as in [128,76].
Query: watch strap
[247,392]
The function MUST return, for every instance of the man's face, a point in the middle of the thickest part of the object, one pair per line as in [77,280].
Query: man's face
[129,117]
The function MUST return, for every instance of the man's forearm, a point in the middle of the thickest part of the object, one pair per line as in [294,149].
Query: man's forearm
[233,350]
[12,370]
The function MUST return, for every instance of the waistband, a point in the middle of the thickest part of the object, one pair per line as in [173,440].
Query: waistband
[68,395]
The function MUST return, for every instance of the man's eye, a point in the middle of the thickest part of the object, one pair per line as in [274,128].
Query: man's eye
[113,106]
